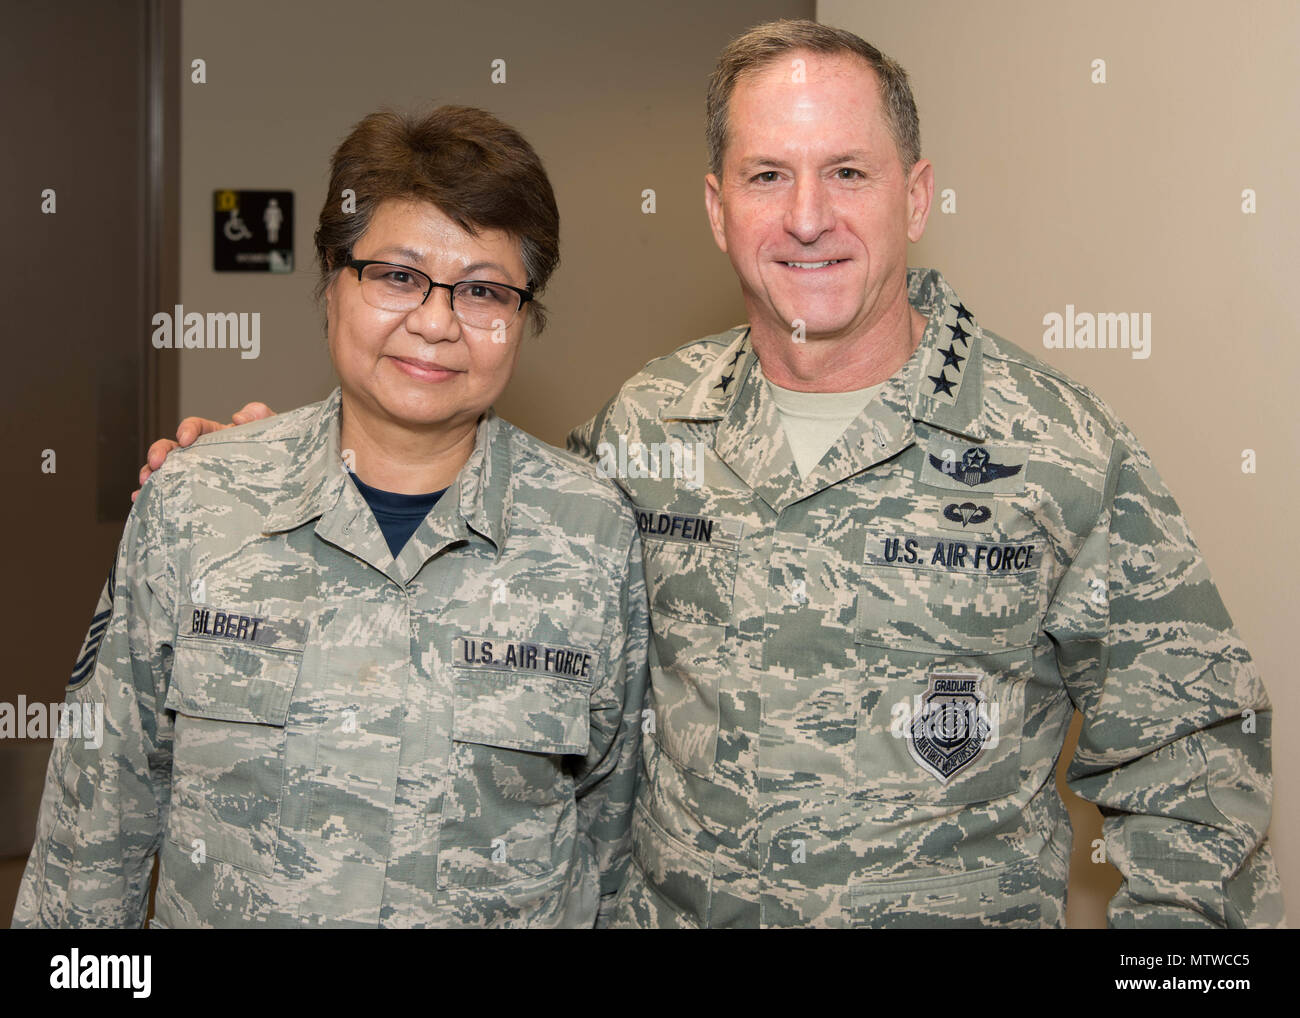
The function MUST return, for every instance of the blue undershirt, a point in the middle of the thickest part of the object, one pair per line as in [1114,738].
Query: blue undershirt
[397,515]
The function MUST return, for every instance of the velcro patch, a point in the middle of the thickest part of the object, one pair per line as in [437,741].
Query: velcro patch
[975,469]
[951,725]
[707,530]
[943,553]
[967,516]
[506,655]
[232,625]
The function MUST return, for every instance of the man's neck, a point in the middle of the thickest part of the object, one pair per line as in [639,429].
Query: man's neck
[844,364]
[394,458]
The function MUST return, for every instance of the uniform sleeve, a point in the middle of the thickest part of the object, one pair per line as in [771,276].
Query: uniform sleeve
[585,439]
[606,782]
[107,786]
[1174,748]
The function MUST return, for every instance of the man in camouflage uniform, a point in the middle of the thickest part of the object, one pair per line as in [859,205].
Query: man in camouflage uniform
[448,738]
[863,672]
[1004,550]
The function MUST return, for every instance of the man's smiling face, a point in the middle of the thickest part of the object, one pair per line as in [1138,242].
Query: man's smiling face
[814,207]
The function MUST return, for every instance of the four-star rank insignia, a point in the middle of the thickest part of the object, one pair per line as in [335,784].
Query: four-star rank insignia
[948,362]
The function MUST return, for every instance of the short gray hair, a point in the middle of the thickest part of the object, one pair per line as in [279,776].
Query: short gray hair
[764,43]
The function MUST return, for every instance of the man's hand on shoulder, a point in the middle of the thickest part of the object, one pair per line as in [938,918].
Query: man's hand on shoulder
[189,432]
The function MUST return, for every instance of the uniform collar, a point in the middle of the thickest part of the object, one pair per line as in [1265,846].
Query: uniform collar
[314,481]
[484,481]
[947,393]
[316,487]
[941,385]
[949,362]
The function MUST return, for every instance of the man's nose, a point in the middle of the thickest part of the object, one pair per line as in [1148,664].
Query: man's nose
[810,213]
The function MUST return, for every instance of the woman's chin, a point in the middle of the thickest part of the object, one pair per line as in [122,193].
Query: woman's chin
[422,417]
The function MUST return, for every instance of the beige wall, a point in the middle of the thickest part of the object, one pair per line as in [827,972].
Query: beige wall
[1126,196]
[612,97]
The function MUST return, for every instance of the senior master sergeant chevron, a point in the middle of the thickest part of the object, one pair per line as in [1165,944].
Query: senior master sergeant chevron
[914,552]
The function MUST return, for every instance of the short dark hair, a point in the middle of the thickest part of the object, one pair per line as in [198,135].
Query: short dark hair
[479,171]
[764,43]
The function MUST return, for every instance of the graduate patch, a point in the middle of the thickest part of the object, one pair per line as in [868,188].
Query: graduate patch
[951,726]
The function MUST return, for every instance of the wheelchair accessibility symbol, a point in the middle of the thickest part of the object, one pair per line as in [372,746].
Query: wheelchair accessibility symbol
[235,229]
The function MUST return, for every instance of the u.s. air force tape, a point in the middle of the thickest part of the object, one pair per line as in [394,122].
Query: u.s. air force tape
[506,655]
[942,553]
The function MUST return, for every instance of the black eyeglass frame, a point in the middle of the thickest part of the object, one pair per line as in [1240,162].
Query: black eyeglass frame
[359,264]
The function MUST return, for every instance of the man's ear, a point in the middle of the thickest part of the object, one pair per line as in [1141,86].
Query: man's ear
[713,205]
[920,193]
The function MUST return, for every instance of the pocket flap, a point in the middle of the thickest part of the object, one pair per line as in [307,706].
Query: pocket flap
[246,673]
[936,612]
[521,710]
[691,582]
[1003,895]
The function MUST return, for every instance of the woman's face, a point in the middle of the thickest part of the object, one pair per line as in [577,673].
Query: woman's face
[423,369]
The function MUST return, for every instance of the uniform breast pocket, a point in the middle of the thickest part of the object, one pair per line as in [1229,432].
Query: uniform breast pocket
[517,734]
[231,702]
[691,587]
[946,657]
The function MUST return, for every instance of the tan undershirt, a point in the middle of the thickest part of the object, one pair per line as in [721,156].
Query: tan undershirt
[814,421]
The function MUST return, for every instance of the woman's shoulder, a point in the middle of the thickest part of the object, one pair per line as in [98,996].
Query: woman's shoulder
[260,454]
[290,426]
[555,477]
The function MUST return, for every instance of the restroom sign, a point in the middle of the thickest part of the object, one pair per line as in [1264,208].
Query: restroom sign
[252,231]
